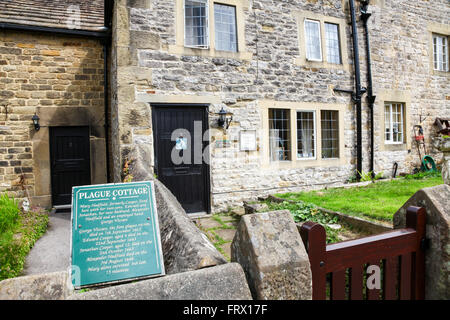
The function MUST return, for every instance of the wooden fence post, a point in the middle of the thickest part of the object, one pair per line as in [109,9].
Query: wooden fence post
[416,219]
[314,238]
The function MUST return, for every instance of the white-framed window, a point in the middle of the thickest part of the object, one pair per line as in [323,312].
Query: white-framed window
[313,40]
[280,134]
[333,43]
[306,135]
[225,27]
[440,52]
[330,133]
[294,134]
[198,25]
[196,21]
[394,123]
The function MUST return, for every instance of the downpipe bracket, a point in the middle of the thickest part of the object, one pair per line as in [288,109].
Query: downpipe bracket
[354,95]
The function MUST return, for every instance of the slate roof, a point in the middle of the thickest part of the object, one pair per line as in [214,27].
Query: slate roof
[53,13]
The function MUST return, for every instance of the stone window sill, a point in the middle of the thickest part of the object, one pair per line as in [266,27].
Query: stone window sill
[210,53]
[440,73]
[305,163]
[321,64]
[395,147]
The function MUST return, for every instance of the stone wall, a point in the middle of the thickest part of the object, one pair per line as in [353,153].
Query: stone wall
[224,282]
[152,66]
[400,35]
[60,78]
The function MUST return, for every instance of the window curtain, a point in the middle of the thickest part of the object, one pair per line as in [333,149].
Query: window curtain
[196,23]
[306,143]
[313,49]
[305,127]
[274,140]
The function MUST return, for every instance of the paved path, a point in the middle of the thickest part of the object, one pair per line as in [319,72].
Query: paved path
[220,229]
[52,251]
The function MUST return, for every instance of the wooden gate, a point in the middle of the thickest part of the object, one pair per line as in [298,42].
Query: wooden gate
[339,270]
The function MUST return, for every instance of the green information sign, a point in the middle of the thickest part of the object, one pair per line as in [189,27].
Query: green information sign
[115,233]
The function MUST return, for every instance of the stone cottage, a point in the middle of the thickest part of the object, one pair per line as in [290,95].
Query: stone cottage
[222,101]
[263,89]
[52,58]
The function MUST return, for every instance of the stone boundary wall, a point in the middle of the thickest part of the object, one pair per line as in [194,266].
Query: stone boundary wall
[47,286]
[224,282]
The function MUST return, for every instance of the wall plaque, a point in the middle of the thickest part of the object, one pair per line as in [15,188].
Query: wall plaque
[247,140]
[115,233]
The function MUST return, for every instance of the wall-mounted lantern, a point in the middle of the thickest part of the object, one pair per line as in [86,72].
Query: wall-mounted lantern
[223,121]
[35,119]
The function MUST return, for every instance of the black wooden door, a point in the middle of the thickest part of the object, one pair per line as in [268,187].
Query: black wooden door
[179,146]
[70,161]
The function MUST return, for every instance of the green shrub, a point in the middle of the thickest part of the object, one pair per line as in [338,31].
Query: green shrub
[302,211]
[9,213]
[18,233]
[365,176]
[423,175]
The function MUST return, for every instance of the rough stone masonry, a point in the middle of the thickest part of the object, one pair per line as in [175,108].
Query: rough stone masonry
[59,78]
[151,65]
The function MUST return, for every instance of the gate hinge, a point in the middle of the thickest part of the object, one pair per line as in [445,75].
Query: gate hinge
[425,244]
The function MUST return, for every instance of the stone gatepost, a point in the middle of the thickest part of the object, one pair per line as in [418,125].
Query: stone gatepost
[270,250]
[443,145]
[436,201]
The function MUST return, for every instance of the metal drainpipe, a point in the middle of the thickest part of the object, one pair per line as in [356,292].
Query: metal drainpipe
[358,93]
[370,97]
[106,111]
[108,6]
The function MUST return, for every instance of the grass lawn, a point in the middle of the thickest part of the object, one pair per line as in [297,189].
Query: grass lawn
[377,201]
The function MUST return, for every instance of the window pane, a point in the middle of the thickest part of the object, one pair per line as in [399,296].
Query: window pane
[387,122]
[305,135]
[435,55]
[394,122]
[332,42]
[279,134]
[225,26]
[196,23]
[444,54]
[399,122]
[440,52]
[330,134]
[313,46]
